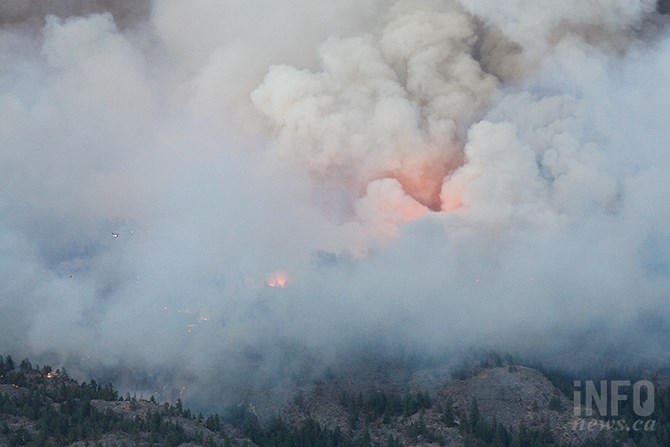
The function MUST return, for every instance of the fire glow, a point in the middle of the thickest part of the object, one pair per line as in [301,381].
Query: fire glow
[277,280]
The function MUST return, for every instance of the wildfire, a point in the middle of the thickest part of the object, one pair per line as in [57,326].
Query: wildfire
[398,198]
[51,375]
[423,189]
[422,176]
[277,280]
[452,197]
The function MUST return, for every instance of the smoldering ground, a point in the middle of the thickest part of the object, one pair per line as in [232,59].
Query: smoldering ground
[213,199]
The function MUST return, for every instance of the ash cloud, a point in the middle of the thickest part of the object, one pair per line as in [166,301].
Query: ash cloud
[425,176]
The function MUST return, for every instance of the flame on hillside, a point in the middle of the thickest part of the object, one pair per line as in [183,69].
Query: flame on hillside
[277,280]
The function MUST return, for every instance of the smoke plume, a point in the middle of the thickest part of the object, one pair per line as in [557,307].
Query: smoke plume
[211,199]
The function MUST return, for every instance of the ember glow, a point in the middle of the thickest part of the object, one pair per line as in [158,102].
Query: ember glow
[277,280]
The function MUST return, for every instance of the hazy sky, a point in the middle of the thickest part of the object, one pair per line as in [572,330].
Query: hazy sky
[427,175]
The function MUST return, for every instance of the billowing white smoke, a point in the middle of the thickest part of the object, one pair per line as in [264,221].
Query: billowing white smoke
[395,103]
[423,174]
[398,103]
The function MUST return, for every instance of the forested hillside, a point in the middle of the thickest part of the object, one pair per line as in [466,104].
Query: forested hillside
[40,406]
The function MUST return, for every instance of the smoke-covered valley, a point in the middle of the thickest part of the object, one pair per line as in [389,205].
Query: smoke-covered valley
[212,199]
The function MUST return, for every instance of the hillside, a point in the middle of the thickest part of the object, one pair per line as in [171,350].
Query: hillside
[41,407]
[504,406]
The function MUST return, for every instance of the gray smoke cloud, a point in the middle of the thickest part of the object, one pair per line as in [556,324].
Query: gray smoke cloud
[211,199]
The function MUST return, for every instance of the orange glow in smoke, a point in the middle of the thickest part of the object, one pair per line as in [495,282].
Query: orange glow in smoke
[422,178]
[453,202]
[409,212]
[277,280]
[452,198]
[51,376]
[424,189]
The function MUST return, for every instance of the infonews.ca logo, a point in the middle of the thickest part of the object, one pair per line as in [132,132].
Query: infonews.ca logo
[609,399]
